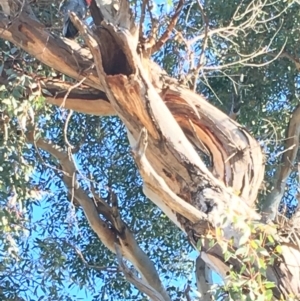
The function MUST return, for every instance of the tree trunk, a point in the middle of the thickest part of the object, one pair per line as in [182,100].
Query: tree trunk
[171,130]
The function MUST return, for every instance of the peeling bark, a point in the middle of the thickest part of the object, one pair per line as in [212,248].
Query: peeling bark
[168,127]
[66,57]
[82,99]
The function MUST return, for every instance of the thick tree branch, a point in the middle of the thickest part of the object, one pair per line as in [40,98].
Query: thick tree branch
[229,157]
[179,123]
[270,207]
[69,173]
[117,13]
[139,284]
[122,234]
[96,13]
[82,99]
[225,150]
[203,279]
[31,36]
[155,185]
[161,125]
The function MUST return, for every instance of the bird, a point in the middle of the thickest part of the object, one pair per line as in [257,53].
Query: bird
[79,7]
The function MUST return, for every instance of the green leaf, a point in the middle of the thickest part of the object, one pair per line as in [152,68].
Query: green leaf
[245,237]
[263,251]
[241,251]
[278,249]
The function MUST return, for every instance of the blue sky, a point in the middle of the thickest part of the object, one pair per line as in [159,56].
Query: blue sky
[41,210]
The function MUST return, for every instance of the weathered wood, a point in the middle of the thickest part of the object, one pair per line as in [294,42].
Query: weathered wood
[178,124]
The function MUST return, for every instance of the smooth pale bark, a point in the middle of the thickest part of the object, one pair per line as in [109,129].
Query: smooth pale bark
[168,127]
[116,236]
[203,279]
[270,207]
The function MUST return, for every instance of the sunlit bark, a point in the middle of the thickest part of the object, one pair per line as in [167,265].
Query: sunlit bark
[169,127]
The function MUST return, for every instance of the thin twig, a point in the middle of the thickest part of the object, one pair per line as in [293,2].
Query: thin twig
[288,56]
[166,35]
[142,19]
[70,90]
[204,44]
[92,266]
[244,61]
[66,129]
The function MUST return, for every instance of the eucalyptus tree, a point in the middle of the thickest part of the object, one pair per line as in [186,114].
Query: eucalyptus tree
[207,95]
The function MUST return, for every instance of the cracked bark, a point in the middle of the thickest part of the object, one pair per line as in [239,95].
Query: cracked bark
[168,126]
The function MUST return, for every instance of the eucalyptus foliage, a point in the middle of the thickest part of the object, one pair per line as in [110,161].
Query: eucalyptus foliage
[47,249]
